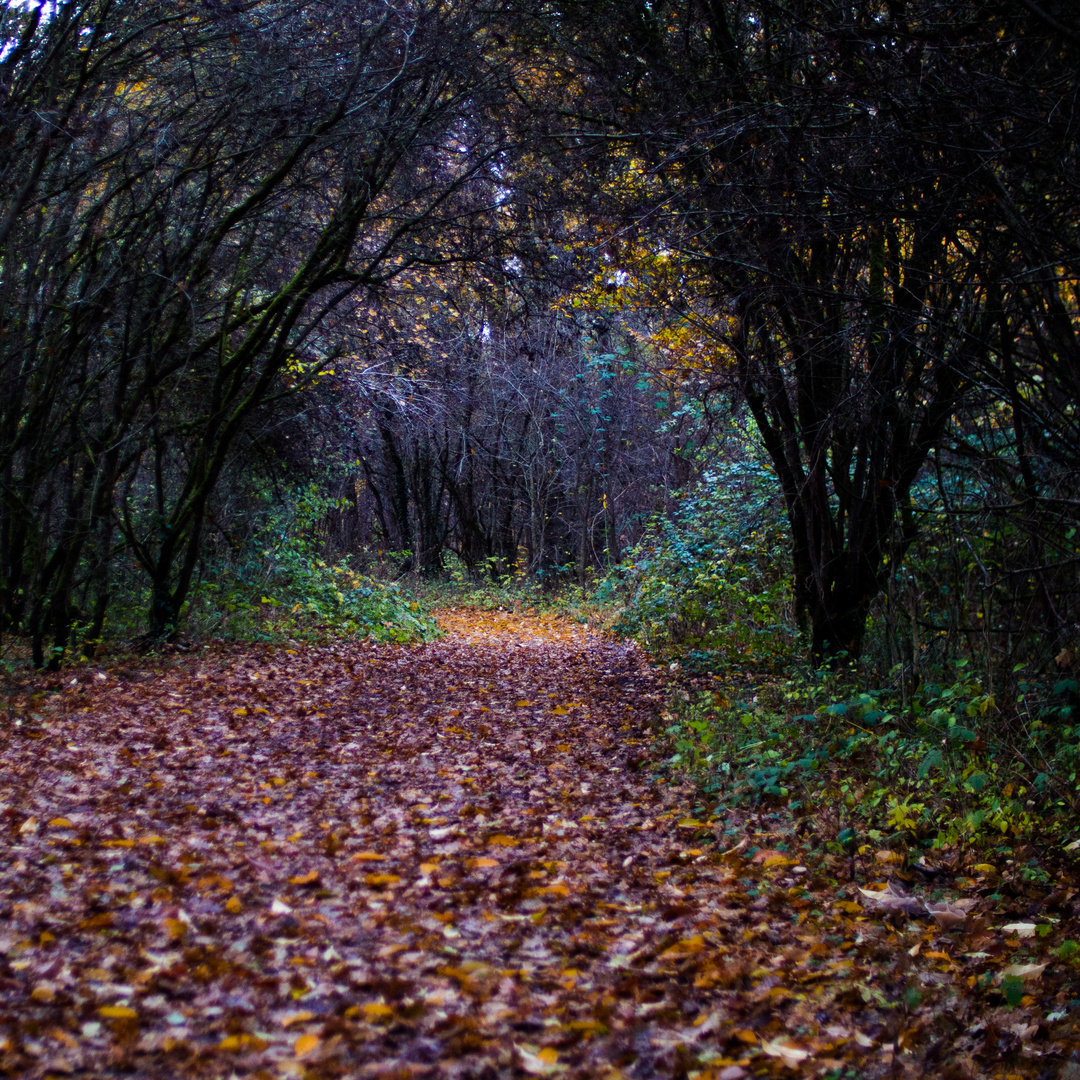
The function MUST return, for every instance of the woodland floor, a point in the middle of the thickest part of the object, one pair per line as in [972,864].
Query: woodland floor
[453,860]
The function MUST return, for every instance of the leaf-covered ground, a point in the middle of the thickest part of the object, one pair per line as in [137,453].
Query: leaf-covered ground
[452,860]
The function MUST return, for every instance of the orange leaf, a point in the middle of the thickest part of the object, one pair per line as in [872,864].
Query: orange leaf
[309,878]
[381,879]
[61,823]
[369,856]
[375,1010]
[305,1045]
[503,841]
[117,1012]
[233,905]
[483,864]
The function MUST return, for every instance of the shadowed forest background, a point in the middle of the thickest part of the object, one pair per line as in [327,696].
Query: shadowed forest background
[746,328]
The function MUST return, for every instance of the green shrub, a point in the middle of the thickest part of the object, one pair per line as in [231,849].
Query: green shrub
[710,585]
[283,588]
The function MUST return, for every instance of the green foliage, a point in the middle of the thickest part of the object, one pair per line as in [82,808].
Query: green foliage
[711,584]
[284,588]
[931,770]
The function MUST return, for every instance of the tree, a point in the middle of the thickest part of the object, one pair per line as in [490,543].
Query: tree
[846,177]
[188,197]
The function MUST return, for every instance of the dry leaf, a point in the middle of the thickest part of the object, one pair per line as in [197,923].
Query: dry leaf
[790,1055]
[306,1045]
[1020,929]
[117,1012]
[1027,972]
[297,1018]
[892,899]
[947,916]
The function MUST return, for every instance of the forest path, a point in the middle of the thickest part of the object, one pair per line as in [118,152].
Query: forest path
[445,860]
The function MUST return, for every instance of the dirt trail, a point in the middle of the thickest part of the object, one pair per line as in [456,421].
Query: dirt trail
[436,861]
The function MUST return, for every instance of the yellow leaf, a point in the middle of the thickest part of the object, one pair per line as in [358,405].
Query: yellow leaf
[152,840]
[889,857]
[522,704]
[563,748]
[369,856]
[982,868]
[548,1055]
[849,907]
[778,860]
[117,1012]
[118,843]
[375,1010]
[297,1018]
[233,905]
[61,823]
[239,712]
[309,878]
[305,1045]
[558,889]
[560,711]
[687,947]
[483,864]
[381,879]
[503,841]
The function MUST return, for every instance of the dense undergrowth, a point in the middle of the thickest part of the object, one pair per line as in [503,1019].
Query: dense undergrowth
[932,746]
[279,585]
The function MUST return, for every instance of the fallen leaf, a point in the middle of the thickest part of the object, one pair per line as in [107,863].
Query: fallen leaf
[947,916]
[117,1012]
[892,899]
[376,880]
[300,1017]
[1020,929]
[538,1063]
[1027,972]
[305,1045]
[377,1010]
[790,1055]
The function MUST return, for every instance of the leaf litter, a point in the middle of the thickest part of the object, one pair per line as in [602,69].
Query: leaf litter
[453,860]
